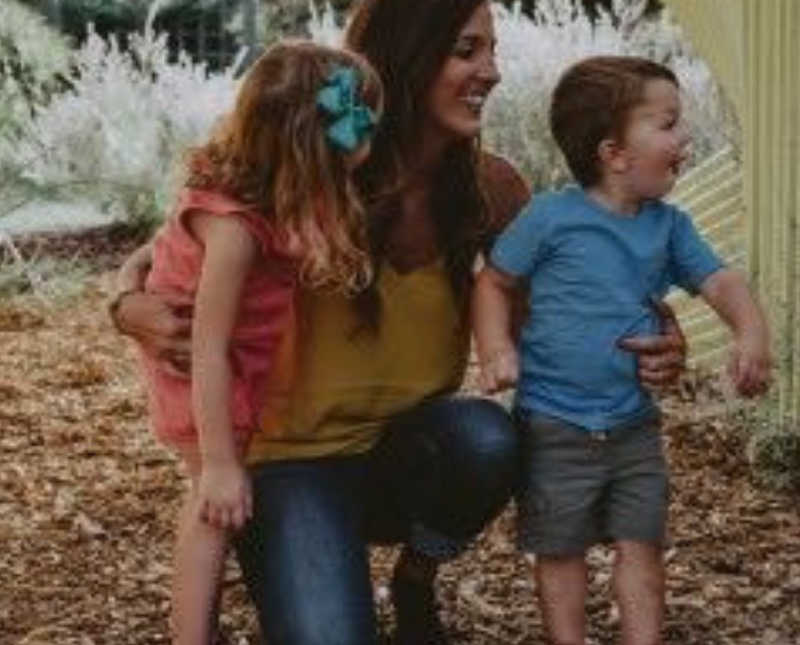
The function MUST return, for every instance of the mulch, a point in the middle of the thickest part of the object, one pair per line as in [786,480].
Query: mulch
[88,500]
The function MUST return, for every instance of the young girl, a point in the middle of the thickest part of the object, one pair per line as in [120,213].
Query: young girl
[268,204]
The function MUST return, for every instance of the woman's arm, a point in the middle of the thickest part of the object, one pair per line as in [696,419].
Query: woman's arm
[229,253]
[134,270]
[159,323]
[662,357]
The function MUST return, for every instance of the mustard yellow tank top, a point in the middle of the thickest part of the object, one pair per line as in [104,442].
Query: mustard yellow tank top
[332,390]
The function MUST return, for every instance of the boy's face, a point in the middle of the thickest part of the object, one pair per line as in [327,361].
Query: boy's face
[655,142]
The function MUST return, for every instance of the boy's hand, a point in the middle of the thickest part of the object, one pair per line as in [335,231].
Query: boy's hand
[225,495]
[499,370]
[750,364]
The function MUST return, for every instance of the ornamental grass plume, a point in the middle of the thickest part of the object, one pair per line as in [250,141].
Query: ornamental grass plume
[532,53]
[114,135]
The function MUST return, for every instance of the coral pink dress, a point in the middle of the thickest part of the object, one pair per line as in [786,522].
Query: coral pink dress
[266,310]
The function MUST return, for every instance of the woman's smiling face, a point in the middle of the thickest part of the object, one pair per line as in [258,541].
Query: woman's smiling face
[455,99]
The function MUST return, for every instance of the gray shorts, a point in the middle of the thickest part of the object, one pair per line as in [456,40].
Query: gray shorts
[584,487]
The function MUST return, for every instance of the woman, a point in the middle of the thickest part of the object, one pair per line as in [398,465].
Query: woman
[368,444]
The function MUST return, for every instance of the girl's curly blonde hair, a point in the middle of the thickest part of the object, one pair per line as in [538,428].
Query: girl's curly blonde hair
[271,152]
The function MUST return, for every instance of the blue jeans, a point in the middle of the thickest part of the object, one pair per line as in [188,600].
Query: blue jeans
[440,472]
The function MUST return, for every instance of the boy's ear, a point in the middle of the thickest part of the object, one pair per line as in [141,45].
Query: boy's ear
[612,155]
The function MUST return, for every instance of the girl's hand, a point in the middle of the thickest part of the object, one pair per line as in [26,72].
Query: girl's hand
[750,364]
[661,358]
[161,323]
[225,497]
[499,371]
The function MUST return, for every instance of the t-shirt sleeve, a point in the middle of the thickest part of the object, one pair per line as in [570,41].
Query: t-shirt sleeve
[692,259]
[193,200]
[520,246]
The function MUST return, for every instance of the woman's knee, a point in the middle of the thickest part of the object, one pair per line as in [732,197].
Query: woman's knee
[486,436]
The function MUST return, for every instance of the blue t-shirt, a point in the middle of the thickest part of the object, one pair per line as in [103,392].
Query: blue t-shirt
[590,274]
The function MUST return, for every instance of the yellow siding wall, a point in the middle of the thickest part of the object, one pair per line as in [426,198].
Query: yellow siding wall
[754,48]
[716,28]
[713,194]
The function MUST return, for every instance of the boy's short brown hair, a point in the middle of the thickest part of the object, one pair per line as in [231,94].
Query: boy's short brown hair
[592,101]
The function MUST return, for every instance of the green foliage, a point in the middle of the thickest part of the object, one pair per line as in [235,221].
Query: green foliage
[223,18]
[34,59]
[48,279]
[34,63]
[774,456]
[113,138]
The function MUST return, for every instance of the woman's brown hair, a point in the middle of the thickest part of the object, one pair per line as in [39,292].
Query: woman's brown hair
[271,153]
[408,42]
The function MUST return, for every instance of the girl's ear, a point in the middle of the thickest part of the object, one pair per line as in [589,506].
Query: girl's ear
[612,155]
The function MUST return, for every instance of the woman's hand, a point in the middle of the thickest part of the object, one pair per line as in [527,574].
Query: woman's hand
[161,324]
[662,358]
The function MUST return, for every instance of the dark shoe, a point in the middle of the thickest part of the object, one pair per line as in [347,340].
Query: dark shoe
[416,613]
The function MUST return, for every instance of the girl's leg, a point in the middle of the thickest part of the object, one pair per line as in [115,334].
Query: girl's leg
[304,556]
[199,561]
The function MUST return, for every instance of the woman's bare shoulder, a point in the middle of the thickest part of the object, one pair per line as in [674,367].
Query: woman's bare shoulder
[505,189]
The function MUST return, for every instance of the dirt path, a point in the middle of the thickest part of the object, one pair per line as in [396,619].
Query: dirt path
[87,501]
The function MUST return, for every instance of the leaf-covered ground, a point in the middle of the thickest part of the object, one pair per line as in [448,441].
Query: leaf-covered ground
[87,501]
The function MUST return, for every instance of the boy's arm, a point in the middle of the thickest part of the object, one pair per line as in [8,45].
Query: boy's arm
[492,306]
[506,194]
[727,292]
[229,253]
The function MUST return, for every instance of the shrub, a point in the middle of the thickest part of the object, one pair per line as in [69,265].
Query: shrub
[114,135]
[533,50]
[774,456]
[34,62]
[34,59]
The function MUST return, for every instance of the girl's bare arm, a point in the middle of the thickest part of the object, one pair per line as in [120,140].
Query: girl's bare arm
[229,254]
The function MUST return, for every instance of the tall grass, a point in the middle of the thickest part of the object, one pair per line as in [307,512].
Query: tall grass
[114,134]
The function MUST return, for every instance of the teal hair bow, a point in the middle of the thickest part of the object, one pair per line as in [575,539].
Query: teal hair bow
[351,122]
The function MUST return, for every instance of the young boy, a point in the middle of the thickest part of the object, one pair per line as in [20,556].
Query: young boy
[594,259]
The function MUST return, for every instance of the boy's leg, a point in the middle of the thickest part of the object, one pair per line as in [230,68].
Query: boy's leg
[559,518]
[304,556]
[199,560]
[561,585]
[639,587]
[637,516]
[440,473]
